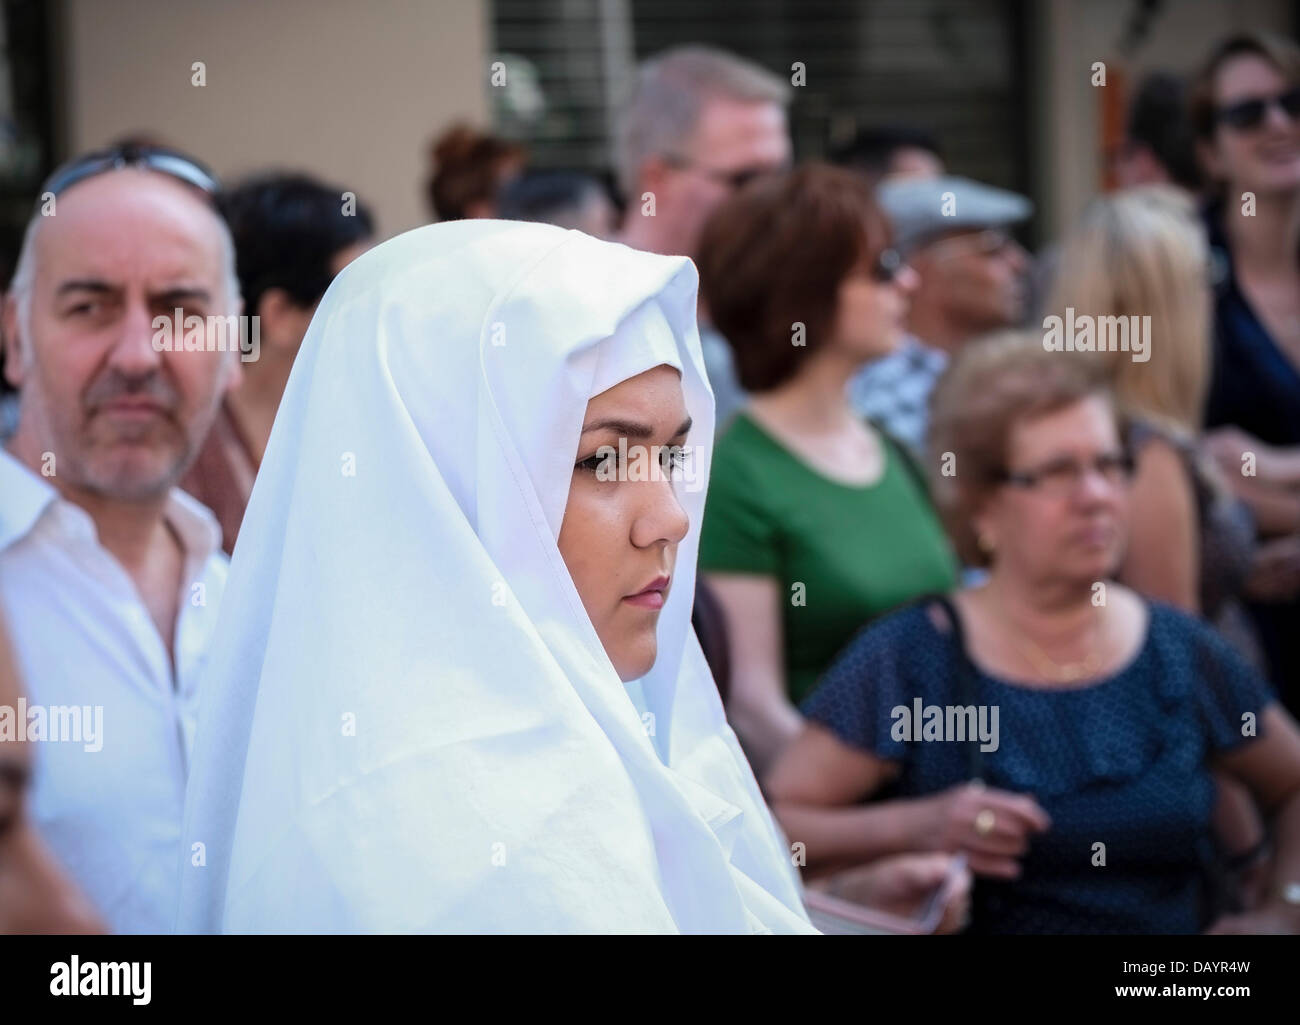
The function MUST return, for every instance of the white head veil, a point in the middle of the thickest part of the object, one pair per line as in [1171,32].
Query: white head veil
[409,723]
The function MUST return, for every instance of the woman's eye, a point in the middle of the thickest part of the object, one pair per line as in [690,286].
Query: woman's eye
[604,463]
[672,457]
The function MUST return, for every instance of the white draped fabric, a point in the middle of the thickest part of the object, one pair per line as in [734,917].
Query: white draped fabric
[409,723]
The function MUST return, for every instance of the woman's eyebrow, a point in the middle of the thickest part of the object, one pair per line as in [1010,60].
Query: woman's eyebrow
[631,428]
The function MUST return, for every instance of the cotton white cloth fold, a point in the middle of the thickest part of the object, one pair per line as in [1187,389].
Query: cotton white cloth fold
[409,723]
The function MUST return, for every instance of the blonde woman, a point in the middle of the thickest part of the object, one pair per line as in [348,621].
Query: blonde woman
[1141,255]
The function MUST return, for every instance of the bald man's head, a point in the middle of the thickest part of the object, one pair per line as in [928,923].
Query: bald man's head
[122,419]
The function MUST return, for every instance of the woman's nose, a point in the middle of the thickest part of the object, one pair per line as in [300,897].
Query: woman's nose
[907,279]
[1095,486]
[662,518]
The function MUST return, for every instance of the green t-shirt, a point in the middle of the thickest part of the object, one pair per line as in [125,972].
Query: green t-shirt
[858,551]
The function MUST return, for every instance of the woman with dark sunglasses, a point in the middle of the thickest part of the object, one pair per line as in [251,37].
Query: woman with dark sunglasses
[1246,113]
[816,522]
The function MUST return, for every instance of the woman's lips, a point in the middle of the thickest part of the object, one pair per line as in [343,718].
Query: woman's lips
[651,596]
[1095,537]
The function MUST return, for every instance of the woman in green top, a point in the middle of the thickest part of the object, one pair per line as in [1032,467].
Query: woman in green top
[815,521]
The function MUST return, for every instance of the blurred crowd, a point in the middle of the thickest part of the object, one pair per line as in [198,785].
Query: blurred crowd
[934,486]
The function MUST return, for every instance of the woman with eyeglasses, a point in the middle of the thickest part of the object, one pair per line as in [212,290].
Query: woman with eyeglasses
[1141,253]
[1246,113]
[1051,724]
[816,521]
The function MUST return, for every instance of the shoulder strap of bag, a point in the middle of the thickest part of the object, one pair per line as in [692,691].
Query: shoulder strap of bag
[965,680]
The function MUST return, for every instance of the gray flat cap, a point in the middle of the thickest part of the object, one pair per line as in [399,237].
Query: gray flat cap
[920,208]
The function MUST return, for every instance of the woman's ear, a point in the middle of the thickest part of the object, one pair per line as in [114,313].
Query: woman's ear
[983,523]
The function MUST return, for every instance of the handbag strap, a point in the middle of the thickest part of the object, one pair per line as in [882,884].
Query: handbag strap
[966,688]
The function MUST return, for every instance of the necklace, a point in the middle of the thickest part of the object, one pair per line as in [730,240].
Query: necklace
[1062,672]
[1044,664]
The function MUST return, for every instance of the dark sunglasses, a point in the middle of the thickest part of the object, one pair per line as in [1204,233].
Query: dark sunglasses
[1248,115]
[154,158]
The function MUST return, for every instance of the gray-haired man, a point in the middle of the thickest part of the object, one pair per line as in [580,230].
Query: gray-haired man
[699,124]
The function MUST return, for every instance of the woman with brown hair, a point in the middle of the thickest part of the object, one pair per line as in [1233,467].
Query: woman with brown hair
[816,521]
[1051,723]
[469,170]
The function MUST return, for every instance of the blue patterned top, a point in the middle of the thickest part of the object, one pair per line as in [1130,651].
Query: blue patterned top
[1120,761]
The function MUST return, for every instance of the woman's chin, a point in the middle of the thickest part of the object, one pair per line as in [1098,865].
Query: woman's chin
[635,658]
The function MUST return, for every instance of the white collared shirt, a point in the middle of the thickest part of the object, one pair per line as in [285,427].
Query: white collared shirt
[109,806]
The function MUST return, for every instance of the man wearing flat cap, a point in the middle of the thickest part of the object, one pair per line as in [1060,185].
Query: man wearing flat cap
[955,234]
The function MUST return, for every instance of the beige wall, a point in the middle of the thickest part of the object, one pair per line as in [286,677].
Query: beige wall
[350,90]
[1072,34]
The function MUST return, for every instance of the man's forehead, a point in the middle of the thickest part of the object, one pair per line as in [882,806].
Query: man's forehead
[130,224]
[760,125]
[935,242]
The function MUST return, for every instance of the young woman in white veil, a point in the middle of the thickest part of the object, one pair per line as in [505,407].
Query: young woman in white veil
[445,697]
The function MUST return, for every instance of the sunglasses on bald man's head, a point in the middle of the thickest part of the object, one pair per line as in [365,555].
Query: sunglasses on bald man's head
[1247,115]
[170,162]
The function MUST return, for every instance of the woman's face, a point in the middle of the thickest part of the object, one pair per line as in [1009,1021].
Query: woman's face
[871,314]
[623,522]
[1063,516]
[1263,157]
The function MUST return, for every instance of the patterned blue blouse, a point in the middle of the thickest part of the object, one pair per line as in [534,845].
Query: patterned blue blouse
[1120,761]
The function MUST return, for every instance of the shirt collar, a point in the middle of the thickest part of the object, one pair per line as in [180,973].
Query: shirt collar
[918,351]
[27,497]
[198,529]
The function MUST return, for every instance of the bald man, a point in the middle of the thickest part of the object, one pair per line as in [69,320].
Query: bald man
[110,576]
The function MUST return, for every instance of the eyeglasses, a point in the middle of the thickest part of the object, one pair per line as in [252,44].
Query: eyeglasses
[154,158]
[1060,478]
[1247,115]
[731,179]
